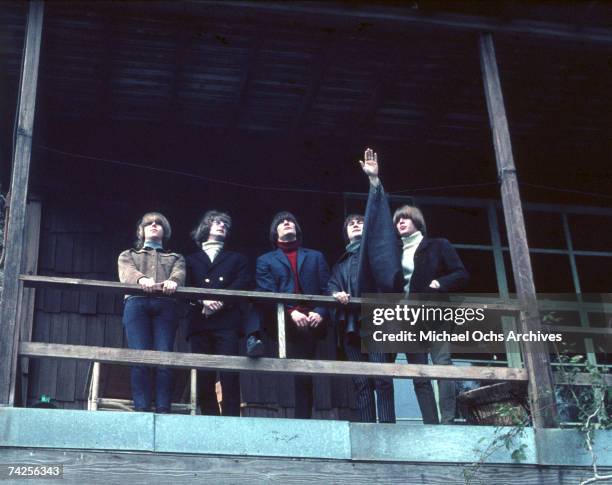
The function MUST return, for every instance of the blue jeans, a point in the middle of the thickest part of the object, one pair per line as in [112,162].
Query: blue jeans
[150,324]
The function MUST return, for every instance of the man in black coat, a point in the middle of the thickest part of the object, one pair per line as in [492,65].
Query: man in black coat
[214,325]
[421,266]
[344,284]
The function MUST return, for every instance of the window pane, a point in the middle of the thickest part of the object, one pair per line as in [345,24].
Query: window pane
[481,266]
[591,233]
[544,230]
[465,225]
[594,273]
[551,273]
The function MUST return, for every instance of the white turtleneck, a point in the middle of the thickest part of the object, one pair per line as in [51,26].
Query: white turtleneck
[409,247]
[212,248]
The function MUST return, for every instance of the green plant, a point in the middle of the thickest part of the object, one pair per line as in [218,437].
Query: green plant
[506,437]
[592,403]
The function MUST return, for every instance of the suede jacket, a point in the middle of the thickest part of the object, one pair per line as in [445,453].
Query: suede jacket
[160,265]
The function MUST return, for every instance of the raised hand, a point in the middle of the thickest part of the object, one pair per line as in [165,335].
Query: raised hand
[370,165]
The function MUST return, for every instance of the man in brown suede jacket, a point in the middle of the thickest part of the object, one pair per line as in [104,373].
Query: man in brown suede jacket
[150,319]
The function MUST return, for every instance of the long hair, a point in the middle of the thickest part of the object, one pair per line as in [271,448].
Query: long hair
[202,230]
[277,219]
[147,219]
[414,214]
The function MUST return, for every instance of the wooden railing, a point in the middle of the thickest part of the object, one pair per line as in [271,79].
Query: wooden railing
[267,364]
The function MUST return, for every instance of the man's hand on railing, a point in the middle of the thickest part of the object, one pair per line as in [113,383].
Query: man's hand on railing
[300,319]
[342,297]
[314,319]
[169,287]
[148,285]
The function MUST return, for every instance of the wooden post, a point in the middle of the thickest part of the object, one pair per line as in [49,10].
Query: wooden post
[282,345]
[30,267]
[9,330]
[95,387]
[537,362]
[193,394]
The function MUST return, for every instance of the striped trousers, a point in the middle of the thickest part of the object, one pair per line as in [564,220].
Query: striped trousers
[365,387]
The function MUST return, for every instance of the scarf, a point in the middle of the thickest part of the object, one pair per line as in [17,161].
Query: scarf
[212,248]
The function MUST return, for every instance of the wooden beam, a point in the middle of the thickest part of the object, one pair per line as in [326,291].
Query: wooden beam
[541,388]
[30,266]
[183,360]
[9,329]
[410,16]
[35,281]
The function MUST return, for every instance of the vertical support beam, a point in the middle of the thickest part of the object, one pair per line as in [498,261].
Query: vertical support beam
[513,351]
[30,267]
[193,394]
[9,329]
[282,344]
[94,390]
[537,362]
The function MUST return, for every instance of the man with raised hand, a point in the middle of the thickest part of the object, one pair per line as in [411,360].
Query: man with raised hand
[414,264]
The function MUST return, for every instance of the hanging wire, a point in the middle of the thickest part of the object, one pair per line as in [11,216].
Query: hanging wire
[312,191]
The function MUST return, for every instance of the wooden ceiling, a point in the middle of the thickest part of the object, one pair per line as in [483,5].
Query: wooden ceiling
[314,83]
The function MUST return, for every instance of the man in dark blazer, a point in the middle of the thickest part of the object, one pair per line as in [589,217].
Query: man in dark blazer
[414,265]
[214,325]
[290,268]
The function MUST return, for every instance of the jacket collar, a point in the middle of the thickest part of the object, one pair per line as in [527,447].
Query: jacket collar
[301,255]
[143,250]
[206,260]
[422,245]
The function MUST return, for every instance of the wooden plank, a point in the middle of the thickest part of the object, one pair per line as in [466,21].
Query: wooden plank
[275,366]
[63,252]
[51,300]
[41,332]
[387,17]
[82,369]
[30,266]
[233,295]
[113,333]
[75,336]
[88,301]
[106,303]
[83,253]
[48,368]
[9,330]
[47,251]
[137,468]
[537,362]
[70,301]
[66,369]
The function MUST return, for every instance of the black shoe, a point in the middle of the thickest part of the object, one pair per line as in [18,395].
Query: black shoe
[254,347]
